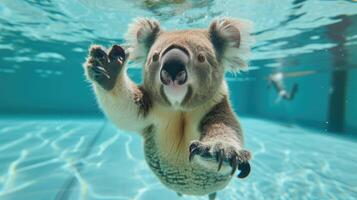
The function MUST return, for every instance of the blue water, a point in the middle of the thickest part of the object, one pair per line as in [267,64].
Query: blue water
[91,159]
[56,144]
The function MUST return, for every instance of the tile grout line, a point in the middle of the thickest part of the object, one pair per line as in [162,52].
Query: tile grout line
[65,191]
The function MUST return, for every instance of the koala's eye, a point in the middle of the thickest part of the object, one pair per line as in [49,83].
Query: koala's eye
[201,58]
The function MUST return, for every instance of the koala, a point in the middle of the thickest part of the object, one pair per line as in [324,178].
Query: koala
[193,142]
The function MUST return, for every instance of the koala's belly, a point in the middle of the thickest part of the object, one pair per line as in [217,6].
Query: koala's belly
[187,178]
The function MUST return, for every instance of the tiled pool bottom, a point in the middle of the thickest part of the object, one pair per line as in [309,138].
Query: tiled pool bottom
[90,159]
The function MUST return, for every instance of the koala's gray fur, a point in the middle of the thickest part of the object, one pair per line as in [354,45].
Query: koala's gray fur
[195,147]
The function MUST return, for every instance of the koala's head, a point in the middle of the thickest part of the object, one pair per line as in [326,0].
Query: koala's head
[184,69]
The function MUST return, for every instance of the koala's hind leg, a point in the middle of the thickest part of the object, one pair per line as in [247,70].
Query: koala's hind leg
[125,103]
[221,141]
[212,196]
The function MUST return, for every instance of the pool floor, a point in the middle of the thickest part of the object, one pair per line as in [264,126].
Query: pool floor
[90,159]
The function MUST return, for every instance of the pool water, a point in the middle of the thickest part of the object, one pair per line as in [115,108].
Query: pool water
[55,143]
[91,159]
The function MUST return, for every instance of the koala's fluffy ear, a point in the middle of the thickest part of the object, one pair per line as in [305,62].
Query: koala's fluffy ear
[231,40]
[141,35]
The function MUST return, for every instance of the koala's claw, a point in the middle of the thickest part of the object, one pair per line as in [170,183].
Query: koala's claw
[244,170]
[104,68]
[117,53]
[234,164]
[219,158]
[223,153]
[193,151]
[99,71]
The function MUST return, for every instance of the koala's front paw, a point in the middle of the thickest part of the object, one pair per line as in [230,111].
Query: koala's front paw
[104,68]
[222,153]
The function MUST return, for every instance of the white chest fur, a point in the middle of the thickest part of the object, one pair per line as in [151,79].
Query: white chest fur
[174,132]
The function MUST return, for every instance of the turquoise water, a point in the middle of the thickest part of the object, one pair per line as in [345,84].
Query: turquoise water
[56,144]
[91,159]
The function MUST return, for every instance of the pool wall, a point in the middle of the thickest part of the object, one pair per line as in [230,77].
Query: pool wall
[32,85]
[351,99]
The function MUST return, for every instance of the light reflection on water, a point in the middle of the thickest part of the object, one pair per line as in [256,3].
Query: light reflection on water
[90,159]
[86,21]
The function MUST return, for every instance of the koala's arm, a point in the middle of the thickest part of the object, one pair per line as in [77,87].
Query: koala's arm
[123,102]
[220,124]
[222,139]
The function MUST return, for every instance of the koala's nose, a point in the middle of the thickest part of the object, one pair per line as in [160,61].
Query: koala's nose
[173,68]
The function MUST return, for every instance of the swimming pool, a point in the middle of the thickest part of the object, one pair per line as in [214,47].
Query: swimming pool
[56,144]
[91,159]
